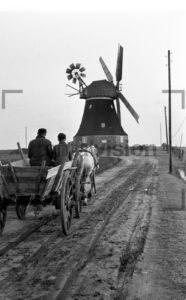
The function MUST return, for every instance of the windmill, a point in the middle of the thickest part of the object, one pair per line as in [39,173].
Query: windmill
[101,121]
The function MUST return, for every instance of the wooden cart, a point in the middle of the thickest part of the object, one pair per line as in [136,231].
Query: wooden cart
[23,185]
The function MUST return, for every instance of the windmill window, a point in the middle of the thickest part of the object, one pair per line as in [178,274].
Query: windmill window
[90,106]
[102,125]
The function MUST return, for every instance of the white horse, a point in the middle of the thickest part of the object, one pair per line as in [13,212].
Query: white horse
[87,163]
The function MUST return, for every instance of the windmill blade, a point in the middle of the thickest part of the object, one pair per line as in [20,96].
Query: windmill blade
[82,75]
[130,108]
[68,71]
[69,77]
[82,69]
[106,70]
[72,66]
[119,64]
[118,109]
[78,66]
[74,80]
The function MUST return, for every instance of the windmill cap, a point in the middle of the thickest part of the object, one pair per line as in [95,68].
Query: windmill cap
[100,88]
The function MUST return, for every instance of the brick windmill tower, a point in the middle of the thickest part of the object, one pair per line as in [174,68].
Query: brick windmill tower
[101,121]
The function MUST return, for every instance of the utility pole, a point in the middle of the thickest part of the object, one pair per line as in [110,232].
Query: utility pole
[170,91]
[166,128]
[170,127]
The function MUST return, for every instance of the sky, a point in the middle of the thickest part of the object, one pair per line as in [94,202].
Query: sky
[40,39]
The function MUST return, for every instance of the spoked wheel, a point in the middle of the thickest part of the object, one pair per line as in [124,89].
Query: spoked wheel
[21,206]
[79,191]
[3,211]
[67,199]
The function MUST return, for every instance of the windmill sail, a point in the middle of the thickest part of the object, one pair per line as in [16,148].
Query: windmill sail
[119,77]
[119,64]
[130,108]
[106,70]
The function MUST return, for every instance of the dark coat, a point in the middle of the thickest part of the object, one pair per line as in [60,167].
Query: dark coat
[40,150]
[61,153]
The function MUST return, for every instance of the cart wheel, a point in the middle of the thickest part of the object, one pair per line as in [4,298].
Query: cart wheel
[93,183]
[3,211]
[21,206]
[67,197]
[79,191]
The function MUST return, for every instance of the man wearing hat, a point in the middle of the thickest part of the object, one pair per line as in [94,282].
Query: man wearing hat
[40,149]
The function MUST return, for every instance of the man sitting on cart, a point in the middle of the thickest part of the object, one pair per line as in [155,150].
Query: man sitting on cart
[40,149]
[61,150]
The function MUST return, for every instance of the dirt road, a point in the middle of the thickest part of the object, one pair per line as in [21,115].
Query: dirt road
[161,271]
[99,256]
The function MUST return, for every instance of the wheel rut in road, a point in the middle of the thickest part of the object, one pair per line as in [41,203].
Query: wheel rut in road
[54,263]
[113,261]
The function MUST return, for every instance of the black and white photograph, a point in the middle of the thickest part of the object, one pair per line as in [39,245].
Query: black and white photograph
[92,150]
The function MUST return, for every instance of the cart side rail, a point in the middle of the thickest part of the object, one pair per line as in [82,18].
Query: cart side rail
[23,181]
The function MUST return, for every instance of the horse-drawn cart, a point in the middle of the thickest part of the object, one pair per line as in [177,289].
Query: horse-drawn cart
[64,186]
[22,184]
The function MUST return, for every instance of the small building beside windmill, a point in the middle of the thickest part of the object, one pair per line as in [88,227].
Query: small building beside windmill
[100,123]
